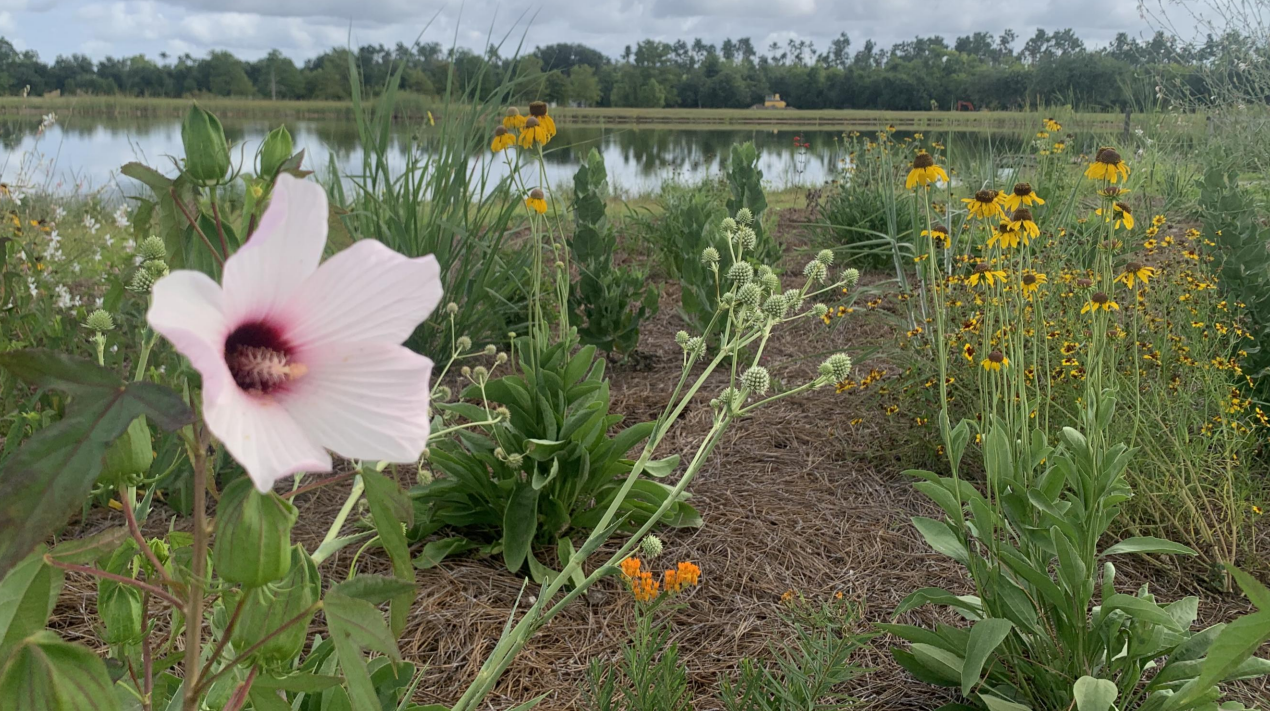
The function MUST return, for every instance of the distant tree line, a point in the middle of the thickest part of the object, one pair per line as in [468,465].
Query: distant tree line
[988,71]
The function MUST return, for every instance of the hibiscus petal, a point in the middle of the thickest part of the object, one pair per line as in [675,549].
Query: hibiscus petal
[368,292]
[365,401]
[263,437]
[187,309]
[284,251]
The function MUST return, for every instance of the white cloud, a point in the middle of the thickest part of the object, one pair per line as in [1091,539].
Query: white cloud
[6,22]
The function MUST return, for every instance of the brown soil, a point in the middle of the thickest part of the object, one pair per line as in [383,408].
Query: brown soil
[794,498]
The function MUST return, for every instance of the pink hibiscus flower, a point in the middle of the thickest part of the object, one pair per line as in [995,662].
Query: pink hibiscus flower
[298,358]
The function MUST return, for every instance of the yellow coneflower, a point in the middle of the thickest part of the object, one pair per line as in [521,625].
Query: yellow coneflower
[985,273]
[1021,220]
[985,204]
[1032,282]
[1100,301]
[538,110]
[1107,166]
[537,201]
[1053,126]
[503,139]
[1150,244]
[924,172]
[969,352]
[1135,272]
[1122,215]
[534,133]
[1158,221]
[938,234]
[995,361]
[1021,195]
[1004,235]
[512,120]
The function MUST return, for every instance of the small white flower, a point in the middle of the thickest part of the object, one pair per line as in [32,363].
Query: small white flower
[59,212]
[121,216]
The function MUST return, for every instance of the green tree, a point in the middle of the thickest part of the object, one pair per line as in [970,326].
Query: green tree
[584,88]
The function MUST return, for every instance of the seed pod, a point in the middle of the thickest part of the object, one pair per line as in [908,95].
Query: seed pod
[253,535]
[275,151]
[268,608]
[129,457]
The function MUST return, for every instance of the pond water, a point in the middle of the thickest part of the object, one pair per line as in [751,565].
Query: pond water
[84,154]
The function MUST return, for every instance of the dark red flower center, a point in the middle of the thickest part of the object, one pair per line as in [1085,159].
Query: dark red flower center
[260,359]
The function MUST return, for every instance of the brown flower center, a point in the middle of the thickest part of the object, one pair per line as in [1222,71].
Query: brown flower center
[538,108]
[922,161]
[537,194]
[982,267]
[1099,298]
[1108,156]
[986,197]
[996,357]
[531,122]
[260,359]
[1133,267]
[1084,283]
[500,131]
[1029,279]
[1022,215]
[1122,208]
[513,111]
[1023,189]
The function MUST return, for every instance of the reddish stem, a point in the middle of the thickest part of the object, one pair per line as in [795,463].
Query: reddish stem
[319,484]
[240,694]
[97,572]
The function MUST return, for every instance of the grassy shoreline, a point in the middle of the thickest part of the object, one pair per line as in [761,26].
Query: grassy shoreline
[417,107]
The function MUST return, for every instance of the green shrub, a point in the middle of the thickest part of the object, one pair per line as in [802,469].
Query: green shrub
[610,301]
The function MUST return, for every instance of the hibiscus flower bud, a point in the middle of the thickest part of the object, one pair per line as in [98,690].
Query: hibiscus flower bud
[129,457]
[267,608]
[253,535]
[275,151]
[206,150]
[119,604]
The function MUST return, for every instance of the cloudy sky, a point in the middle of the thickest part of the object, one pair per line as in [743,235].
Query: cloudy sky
[303,28]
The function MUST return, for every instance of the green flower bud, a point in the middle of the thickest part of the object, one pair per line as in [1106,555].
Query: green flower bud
[100,321]
[820,310]
[728,224]
[746,237]
[253,535]
[757,380]
[750,294]
[651,546]
[744,216]
[794,297]
[775,307]
[825,257]
[741,273]
[729,398]
[275,151]
[709,256]
[681,338]
[129,458]
[267,608]
[463,343]
[118,604]
[851,277]
[152,248]
[837,367]
[771,282]
[816,271]
[696,346]
[206,150]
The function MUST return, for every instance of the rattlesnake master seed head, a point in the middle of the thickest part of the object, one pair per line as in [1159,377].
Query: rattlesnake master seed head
[816,271]
[696,346]
[757,380]
[442,393]
[651,546]
[794,297]
[775,307]
[771,282]
[100,321]
[750,294]
[820,310]
[746,237]
[729,224]
[851,277]
[744,216]
[463,343]
[490,349]
[681,338]
[728,398]
[740,273]
[709,256]
[152,247]
[147,274]
[825,257]
[836,366]
[451,308]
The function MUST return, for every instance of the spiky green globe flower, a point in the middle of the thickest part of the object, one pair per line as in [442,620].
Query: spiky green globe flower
[775,307]
[816,271]
[750,295]
[651,546]
[837,367]
[740,273]
[757,380]
[152,247]
[744,216]
[100,321]
[746,237]
[681,338]
[820,310]
[771,282]
[825,257]
[794,297]
[147,274]
[851,277]
[729,225]
[710,256]
[696,346]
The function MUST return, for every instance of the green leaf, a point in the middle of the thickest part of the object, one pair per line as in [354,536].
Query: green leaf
[1147,544]
[985,637]
[1255,591]
[48,478]
[79,551]
[940,537]
[27,596]
[47,674]
[386,499]
[996,703]
[298,683]
[520,522]
[938,661]
[1094,694]
[436,551]
[356,625]
[374,589]
[1140,609]
[1237,641]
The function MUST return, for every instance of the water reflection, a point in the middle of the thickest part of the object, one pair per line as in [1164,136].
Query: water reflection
[84,154]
